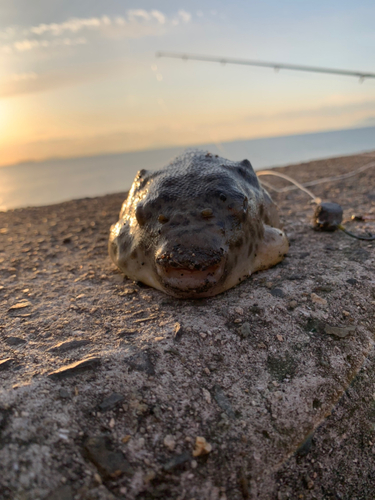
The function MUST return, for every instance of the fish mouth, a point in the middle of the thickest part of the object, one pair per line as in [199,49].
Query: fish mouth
[191,283]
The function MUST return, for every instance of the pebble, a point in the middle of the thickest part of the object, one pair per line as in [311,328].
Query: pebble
[177,332]
[111,402]
[169,442]
[201,447]
[337,331]
[318,300]
[75,368]
[64,394]
[245,330]
[110,463]
[352,281]
[223,401]
[206,395]
[6,363]
[177,461]
[141,362]
[277,292]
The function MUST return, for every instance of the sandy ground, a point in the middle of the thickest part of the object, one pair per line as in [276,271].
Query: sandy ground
[110,389]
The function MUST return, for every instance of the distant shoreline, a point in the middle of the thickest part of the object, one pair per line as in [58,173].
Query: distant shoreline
[203,145]
[45,183]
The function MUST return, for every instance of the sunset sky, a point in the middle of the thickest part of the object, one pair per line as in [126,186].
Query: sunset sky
[81,78]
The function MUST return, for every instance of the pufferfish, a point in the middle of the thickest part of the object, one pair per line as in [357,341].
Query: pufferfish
[197,227]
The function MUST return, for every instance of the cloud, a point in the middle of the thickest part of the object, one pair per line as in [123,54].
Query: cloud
[185,16]
[30,44]
[136,23]
[75,24]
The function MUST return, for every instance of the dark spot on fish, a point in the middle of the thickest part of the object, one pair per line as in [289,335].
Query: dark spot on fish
[238,243]
[222,197]
[207,213]
[163,219]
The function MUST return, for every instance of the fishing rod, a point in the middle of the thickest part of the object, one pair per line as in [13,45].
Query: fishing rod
[276,66]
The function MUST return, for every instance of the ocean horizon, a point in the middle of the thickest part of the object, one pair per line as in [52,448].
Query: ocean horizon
[57,180]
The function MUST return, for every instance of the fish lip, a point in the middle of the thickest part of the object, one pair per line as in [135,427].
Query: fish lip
[194,283]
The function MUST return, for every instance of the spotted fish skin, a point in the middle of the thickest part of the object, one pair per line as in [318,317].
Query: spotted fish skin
[197,227]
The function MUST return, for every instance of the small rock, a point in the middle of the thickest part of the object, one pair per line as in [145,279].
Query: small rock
[6,363]
[318,300]
[352,281]
[111,402]
[293,304]
[245,330]
[223,401]
[201,447]
[177,461]
[207,395]
[13,341]
[141,362]
[75,368]
[277,292]
[338,331]
[309,483]
[64,394]
[68,345]
[177,332]
[110,463]
[169,442]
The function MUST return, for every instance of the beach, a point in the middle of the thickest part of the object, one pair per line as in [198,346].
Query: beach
[106,384]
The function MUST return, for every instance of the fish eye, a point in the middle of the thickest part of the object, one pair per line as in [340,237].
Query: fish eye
[222,197]
[141,215]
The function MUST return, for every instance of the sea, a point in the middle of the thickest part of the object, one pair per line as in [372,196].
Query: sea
[57,180]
